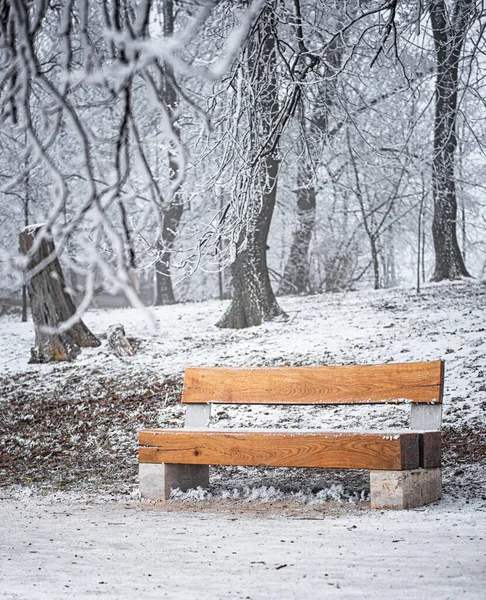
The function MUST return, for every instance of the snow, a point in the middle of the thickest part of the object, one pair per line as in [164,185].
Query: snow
[227,541]
[33,227]
[58,549]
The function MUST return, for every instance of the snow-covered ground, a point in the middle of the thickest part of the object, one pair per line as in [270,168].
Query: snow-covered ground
[70,510]
[53,549]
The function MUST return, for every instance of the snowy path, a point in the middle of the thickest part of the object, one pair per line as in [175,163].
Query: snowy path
[60,550]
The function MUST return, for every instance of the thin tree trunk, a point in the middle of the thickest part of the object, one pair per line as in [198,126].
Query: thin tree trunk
[296,278]
[51,305]
[24,304]
[391,271]
[449,35]
[419,238]
[296,274]
[464,237]
[220,254]
[423,253]
[375,261]
[26,223]
[164,291]
[253,299]
[371,230]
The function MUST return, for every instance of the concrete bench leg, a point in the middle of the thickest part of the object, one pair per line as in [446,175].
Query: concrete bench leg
[405,489]
[157,480]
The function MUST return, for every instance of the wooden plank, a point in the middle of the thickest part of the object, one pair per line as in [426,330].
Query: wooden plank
[378,451]
[361,384]
[430,449]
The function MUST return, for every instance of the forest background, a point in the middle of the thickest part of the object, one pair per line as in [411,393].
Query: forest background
[186,150]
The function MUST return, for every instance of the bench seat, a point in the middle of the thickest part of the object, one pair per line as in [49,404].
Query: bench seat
[291,448]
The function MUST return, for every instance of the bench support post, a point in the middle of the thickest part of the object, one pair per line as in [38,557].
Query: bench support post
[405,489]
[157,480]
[198,415]
[427,417]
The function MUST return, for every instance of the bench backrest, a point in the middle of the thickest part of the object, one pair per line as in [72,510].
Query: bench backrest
[420,382]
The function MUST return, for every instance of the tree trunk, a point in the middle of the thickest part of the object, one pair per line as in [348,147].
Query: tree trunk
[296,278]
[26,223]
[51,305]
[164,292]
[449,35]
[253,299]
[419,239]
[389,268]
[375,261]
[296,274]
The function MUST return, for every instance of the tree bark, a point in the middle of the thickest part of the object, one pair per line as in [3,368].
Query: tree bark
[449,35]
[295,279]
[51,304]
[375,261]
[164,291]
[26,223]
[253,299]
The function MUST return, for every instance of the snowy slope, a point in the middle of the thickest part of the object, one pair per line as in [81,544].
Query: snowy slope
[443,322]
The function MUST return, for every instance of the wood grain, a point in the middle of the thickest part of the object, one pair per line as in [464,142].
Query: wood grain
[378,451]
[360,384]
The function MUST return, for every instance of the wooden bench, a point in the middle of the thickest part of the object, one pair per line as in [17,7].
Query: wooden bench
[404,465]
